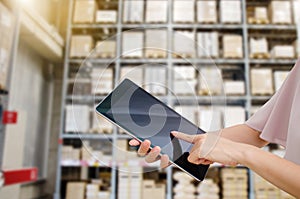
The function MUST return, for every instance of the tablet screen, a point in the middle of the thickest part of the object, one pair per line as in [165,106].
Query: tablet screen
[145,117]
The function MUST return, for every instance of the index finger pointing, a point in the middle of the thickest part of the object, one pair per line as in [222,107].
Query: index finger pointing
[183,136]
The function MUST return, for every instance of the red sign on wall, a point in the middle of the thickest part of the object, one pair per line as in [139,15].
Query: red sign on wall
[20,176]
[10,117]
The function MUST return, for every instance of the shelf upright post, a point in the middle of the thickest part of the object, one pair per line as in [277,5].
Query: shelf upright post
[169,86]
[247,82]
[297,23]
[64,96]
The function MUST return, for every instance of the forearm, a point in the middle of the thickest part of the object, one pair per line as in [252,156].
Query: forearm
[280,172]
[243,134]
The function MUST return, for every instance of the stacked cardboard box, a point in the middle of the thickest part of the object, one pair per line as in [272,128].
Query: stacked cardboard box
[232,46]
[155,80]
[283,51]
[208,189]
[153,190]
[105,49]
[77,118]
[210,118]
[258,14]
[184,44]
[102,80]
[280,12]
[234,115]
[100,124]
[130,182]
[135,74]
[84,11]
[106,16]
[234,87]
[234,183]
[207,11]
[259,48]
[75,190]
[261,81]
[92,191]
[183,11]
[70,154]
[210,81]
[279,78]
[133,11]
[6,36]
[156,11]
[184,80]
[208,44]
[81,45]
[184,189]
[230,11]
[132,45]
[156,43]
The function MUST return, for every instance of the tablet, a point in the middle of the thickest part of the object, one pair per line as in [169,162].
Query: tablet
[143,117]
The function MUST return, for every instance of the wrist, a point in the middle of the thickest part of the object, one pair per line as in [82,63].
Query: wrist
[243,153]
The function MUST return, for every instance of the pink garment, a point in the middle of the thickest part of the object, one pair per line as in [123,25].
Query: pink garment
[279,118]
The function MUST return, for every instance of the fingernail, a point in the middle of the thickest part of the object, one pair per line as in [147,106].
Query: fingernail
[174,133]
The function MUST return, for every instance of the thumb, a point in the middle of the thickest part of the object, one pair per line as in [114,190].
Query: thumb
[183,136]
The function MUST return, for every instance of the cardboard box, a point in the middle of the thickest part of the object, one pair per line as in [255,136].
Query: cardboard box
[106,16]
[207,11]
[135,74]
[208,44]
[261,13]
[261,81]
[280,12]
[81,45]
[156,11]
[258,46]
[234,87]
[279,78]
[184,11]
[184,73]
[210,119]
[105,49]
[155,80]
[184,44]
[185,87]
[84,11]
[133,11]
[234,115]
[211,81]
[77,118]
[102,80]
[232,46]
[296,9]
[101,125]
[75,190]
[230,11]
[156,43]
[283,51]
[132,44]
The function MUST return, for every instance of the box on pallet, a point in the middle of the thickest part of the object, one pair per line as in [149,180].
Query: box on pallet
[232,46]
[155,80]
[230,11]
[156,11]
[156,43]
[207,11]
[259,48]
[184,44]
[84,11]
[75,190]
[280,12]
[210,81]
[132,45]
[105,49]
[133,11]
[208,44]
[279,78]
[261,81]
[183,11]
[234,115]
[81,45]
[283,51]
[77,118]
[106,16]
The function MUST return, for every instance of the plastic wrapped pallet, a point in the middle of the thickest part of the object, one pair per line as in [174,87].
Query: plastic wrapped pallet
[207,11]
[234,87]
[101,125]
[208,44]
[209,118]
[280,12]
[210,81]
[75,190]
[257,15]
[133,11]
[84,11]
[105,49]
[81,45]
[135,74]
[184,44]
[232,46]
[132,45]
[283,51]
[156,11]
[184,87]
[106,16]
[259,48]
[155,80]
[230,11]
[279,78]
[184,72]
[234,115]
[156,43]
[184,11]
[296,9]
[102,80]
[184,187]
[77,118]
[261,81]
[208,189]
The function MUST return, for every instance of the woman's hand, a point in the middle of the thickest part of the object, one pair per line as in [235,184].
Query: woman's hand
[209,147]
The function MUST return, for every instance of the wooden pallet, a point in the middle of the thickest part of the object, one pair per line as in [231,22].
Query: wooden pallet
[260,56]
[252,20]
[156,55]
[182,55]
[105,55]
[282,23]
[207,22]
[233,57]
[184,22]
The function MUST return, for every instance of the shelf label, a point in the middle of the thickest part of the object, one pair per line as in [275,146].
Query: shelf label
[20,176]
[10,117]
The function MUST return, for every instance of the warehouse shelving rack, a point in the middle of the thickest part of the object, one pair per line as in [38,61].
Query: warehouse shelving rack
[169,61]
